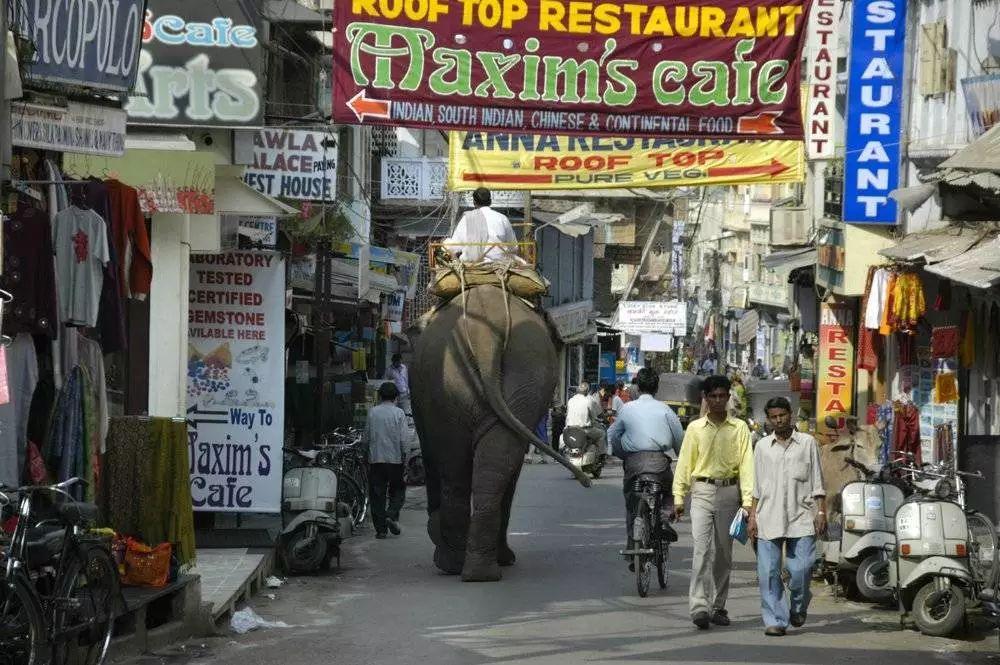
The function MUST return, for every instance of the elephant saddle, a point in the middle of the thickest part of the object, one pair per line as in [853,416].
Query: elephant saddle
[520,280]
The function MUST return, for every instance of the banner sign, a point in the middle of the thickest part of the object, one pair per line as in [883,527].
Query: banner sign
[636,317]
[874,111]
[835,373]
[729,69]
[288,163]
[549,161]
[200,66]
[86,129]
[236,381]
[92,43]
[821,77]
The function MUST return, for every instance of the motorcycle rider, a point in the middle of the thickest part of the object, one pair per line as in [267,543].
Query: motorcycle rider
[647,436]
[584,411]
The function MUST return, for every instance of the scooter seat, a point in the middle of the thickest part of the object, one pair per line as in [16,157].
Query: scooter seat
[989,596]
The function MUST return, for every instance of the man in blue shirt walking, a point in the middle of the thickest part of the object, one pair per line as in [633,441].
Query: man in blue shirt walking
[647,436]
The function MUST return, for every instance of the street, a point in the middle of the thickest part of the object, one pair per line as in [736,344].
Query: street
[568,599]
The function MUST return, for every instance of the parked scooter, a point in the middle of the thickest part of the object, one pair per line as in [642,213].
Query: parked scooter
[855,553]
[311,533]
[945,557]
[582,451]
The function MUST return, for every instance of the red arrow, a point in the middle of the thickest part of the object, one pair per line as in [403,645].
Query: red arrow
[772,169]
[364,107]
[762,123]
[501,177]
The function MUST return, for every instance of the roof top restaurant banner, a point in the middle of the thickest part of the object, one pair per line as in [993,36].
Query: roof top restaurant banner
[717,69]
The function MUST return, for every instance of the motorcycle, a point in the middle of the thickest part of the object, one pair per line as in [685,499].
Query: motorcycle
[310,514]
[856,552]
[413,466]
[583,452]
[945,555]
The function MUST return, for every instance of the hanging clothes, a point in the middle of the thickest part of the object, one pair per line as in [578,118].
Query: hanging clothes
[129,233]
[885,423]
[887,324]
[877,293]
[92,360]
[81,246]
[942,303]
[22,377]
[967,348]
[146,488]
[944,341]
[945,388]
[64,450]
[28,272]
[111,310]
[908,304]
[906,431]
[944,442]
[867,352]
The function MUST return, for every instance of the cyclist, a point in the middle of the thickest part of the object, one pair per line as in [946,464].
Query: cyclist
[647,436]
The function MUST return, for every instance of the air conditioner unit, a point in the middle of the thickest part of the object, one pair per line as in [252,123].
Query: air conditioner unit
[790,226]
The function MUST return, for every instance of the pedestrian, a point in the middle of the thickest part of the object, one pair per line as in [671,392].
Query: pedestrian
[788,512]
[399,374]
[716,467]
[386,439]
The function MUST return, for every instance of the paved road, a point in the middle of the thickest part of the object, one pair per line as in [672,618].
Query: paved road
[569,599]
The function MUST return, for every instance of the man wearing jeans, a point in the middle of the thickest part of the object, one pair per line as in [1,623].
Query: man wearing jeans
[716,467]
[789,510]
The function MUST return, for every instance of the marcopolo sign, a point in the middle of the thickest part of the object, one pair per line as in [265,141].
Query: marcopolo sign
[546,161]
[288,163]
[874,109]
[724,69]
[200,66]
[92,43]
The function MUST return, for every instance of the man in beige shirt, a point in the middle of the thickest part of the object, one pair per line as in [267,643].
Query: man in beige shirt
[716,467]
[788,512]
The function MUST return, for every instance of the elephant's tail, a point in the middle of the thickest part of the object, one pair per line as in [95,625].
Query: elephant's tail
[495,398]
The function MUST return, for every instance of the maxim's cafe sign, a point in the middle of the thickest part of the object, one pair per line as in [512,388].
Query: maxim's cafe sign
[200,66]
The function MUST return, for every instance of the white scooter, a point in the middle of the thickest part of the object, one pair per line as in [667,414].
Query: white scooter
[312,519]
[858,557]
[945,554]
[583,452]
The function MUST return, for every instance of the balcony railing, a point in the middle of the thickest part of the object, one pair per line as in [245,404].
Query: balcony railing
[414,178]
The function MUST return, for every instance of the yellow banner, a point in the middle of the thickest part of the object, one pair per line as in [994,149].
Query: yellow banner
[547,161]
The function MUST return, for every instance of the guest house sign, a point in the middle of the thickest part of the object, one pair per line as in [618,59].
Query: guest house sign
[721,69]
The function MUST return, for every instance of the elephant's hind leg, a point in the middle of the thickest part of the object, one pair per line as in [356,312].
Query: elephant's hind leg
[498,458]
[449,526]
[505,555]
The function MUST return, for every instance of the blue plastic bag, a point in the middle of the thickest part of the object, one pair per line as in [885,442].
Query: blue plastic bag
[738,527]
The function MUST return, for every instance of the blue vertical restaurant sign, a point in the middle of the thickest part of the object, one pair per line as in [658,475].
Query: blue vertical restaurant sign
[90,43]
[874,111]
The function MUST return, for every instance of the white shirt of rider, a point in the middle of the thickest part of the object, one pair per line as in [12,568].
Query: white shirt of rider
[471,229]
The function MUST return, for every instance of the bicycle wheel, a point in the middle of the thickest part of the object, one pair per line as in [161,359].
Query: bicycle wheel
[22,626]
[661,563]
[86,607]
[351,493]
[643,562]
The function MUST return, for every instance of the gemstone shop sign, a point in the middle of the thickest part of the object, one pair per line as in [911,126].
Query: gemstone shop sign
[718,69]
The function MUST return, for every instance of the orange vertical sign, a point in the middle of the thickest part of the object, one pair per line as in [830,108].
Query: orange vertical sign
[835,371]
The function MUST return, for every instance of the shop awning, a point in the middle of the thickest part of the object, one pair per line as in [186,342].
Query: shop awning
[983,154]
[933,246]
[979,267]
[235,197]
[791,259]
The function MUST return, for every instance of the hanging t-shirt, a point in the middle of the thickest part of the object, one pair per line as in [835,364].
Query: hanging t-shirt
[81,245]
[877,297]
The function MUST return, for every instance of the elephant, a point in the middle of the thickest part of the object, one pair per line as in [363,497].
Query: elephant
[482,376]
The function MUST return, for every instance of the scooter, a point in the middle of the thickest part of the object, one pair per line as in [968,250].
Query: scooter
[856,553]
[310,515]
[945,557]
[583,452]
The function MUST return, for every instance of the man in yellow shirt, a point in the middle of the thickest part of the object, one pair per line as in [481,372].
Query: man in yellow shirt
[716,467]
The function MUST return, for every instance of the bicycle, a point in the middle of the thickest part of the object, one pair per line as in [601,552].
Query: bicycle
[60,593]
[349,463]
[649,544]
